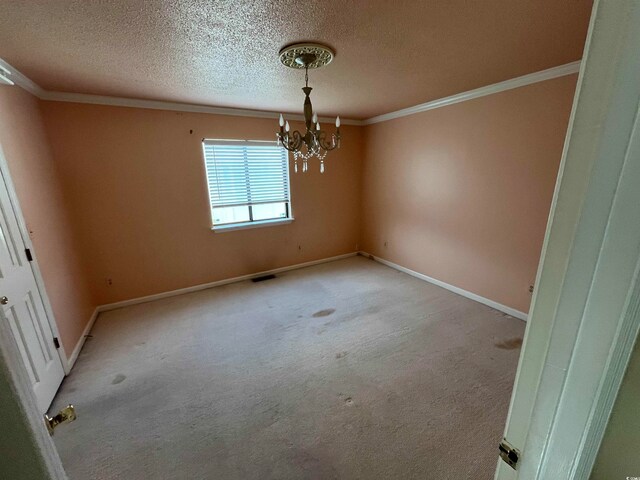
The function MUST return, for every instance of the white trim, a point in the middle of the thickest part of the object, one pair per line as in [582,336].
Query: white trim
[465,293]
[626,337]
[555,72]
[248,225]
[22,81]
[5,76]
[204,286]
[175,106]
[30,86]
[234,142]
[33,88]
[71,361]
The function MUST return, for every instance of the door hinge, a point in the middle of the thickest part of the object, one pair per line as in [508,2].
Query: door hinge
[509,454]
[56,342]
[66,415]
[27,251]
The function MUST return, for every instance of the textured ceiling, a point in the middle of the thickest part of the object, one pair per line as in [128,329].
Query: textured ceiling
[389,54]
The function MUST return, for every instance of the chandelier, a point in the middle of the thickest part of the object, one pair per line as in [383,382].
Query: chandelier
[315,142]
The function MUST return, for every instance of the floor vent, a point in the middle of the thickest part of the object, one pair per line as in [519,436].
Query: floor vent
[263,278]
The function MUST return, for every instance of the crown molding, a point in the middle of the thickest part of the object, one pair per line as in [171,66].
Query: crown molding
[33,88]
[22,81]
[30,86]
[175,106]
[541,76]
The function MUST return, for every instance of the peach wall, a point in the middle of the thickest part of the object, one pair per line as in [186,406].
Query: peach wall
[137,191]
[462,193]
[37,185]
[459,193]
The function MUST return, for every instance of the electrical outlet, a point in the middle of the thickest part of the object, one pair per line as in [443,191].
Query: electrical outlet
[530,288]
[109,281]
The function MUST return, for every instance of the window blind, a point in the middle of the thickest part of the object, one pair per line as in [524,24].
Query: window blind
[246,172]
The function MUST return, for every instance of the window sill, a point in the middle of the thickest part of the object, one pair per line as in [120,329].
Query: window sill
[247,225]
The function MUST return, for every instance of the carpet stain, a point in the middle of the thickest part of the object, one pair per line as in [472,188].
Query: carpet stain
[324,313]
[273,414]
[348,401]
[312,467]
[341,354]
[510,344]
[119,378]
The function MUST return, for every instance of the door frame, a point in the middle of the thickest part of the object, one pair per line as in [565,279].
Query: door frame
[5,173]
[586,223]
[585,314]
[29,441]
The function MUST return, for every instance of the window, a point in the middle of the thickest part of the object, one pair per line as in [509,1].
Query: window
[248,182]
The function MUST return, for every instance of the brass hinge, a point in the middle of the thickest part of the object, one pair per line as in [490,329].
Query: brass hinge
[66,415]
[509,454]
[56,342]
[27,252]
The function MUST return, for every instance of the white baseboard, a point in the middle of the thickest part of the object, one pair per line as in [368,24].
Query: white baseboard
[149,298]
[71,361]
[204,286]
[490,303]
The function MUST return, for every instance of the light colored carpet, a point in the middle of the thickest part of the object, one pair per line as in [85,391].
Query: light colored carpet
[346,370]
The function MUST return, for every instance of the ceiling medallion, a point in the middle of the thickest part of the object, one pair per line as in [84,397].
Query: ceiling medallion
[289,56]
[315,142]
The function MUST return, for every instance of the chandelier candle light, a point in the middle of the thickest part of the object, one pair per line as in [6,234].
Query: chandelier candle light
[315,142]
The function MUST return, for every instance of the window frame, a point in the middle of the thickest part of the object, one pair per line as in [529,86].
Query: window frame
[225,227]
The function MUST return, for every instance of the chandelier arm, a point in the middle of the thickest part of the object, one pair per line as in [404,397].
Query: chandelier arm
[283,140]
[291,142]
[326,145]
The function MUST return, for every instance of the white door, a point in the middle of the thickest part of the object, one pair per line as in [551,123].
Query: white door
[583,321]
[23,308]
